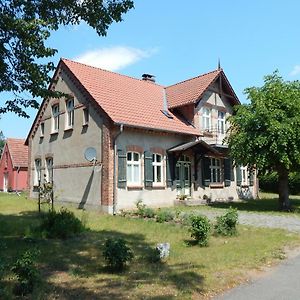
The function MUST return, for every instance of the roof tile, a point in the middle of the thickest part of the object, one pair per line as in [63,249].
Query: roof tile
[18,152]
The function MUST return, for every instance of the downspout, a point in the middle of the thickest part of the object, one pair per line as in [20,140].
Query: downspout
[18,170]
[115,169]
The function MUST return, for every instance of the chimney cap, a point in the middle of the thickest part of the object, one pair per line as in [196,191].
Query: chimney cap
[148,77]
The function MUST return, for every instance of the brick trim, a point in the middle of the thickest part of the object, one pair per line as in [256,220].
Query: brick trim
[134,148]
[158,150]
[80,165]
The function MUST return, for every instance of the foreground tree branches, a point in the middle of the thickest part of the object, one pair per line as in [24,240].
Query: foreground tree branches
[25,25]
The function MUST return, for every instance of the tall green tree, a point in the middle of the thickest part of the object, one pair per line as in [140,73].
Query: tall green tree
[265,133]
[2,141]
[25,25]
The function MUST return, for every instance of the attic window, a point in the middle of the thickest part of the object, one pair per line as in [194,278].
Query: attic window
[167,114]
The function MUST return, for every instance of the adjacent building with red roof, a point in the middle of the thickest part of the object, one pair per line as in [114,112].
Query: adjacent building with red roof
[113,140]
[14,166]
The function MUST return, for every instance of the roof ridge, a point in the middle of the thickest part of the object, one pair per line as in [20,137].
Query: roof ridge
[198,76]
[112,72]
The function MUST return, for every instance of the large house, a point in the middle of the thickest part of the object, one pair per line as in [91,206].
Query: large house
[114,139]
[13,166]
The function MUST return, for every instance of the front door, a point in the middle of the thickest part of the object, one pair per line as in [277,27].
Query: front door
[5,182]
[183,176]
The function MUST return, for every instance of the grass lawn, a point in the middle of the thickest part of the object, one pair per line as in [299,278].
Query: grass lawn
[267,203]
[74,268]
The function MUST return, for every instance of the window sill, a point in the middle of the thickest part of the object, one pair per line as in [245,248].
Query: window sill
[216,186]
[158,187]
[134,187]
[68,129]
[54,132]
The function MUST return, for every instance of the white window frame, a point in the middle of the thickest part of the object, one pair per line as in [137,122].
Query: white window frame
[244,175]
[206,119]
[85,116]
[55,118]
[155,166]
[130,165]
[69,123]
[37,171]
[216,170]
[221,122]
[49,169]
[42,131]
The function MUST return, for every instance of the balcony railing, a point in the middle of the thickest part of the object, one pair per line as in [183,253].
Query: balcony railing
[214,134]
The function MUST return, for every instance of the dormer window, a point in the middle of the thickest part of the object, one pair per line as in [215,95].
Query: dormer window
[206,119]
[69,114]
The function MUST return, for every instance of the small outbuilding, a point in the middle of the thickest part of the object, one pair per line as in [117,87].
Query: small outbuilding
[14,166]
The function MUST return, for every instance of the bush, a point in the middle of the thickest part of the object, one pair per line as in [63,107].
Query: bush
[26,272]
[117,253]
[164,216]
[268,182]
[226,224]
[200,229]
[62,224]
[144,211]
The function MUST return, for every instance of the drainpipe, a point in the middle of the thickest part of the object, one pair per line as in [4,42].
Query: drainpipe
[18,170]
[115,169]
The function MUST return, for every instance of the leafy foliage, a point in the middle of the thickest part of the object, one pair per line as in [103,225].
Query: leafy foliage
[62,224]
[26,271]
[226,224]
[117,253]
[200,229]
[164,215]
[268,182]
[2,141]
[265,132]
[24,28]
[144,211]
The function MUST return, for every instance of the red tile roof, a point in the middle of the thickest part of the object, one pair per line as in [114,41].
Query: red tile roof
[18,152]
[189,91]
[128,100]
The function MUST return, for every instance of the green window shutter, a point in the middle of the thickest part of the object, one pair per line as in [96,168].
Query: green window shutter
[251,177]
[206,171]
[170,170]
[227,171]
[122,163]
[238,175]
[148,169]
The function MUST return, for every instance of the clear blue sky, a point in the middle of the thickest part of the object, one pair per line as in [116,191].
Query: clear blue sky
[176,40]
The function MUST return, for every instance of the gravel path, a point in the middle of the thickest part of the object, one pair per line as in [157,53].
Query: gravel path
[290,223]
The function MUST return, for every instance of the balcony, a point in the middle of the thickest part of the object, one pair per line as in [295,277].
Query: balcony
[214,135]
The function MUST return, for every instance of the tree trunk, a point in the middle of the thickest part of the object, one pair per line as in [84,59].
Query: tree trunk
[283,190]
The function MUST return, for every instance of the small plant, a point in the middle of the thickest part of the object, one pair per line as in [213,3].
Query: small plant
[117,254]
[182,197]
[26,272]
[226,224]
[200,229]
[164,216]
[144,211]
[62,224]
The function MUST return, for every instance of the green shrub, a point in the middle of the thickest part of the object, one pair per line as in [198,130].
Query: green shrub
[226,224]
[164,216]
[117,253]
[268,182]
[62,224]
[200,229]
[26,272]
[144,211]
